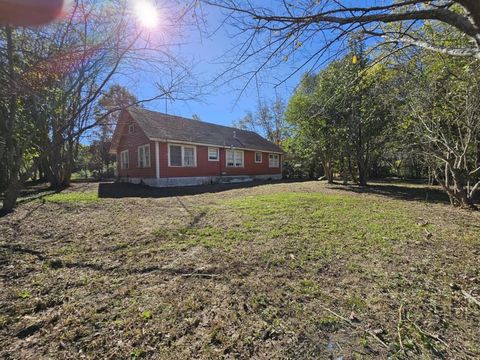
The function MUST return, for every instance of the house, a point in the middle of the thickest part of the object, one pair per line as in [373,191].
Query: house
[165,150]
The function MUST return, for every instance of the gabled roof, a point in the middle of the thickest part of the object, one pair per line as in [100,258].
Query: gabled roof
[164,127]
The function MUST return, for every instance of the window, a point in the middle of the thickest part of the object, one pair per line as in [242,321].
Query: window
[124,159]
[258,157]
[213,154]
[131,128]
[273,160]
[234,158]
[188,156]
[182,156]
[144,156]
[175,155]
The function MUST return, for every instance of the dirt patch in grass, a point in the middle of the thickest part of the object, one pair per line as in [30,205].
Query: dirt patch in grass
[294,270]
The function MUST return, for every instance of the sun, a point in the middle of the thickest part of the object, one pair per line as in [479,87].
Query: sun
[146,13]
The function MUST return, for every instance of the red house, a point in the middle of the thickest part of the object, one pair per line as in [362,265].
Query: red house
[165,150]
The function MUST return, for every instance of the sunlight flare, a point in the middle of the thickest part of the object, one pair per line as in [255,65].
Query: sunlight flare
[146,13]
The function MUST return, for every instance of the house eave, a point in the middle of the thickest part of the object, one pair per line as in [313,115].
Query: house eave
[214,145]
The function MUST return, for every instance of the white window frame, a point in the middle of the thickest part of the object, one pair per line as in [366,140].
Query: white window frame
[270,165]
[131,128]
[122,163]
[234,164]
[261,157]
[145,163]
[183,155]
[217,158]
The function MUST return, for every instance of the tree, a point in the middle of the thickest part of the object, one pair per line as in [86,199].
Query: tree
[246,123]
[276,126]
[344,111]
[314,123]
[107,111]
[443,116]
[291,25]
[269,119]
[52,79]
[312,32]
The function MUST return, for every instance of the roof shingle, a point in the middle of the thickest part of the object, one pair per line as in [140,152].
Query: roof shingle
[162,126]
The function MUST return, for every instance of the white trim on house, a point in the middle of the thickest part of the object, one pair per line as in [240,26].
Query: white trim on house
[211,145]
[183,147]
[144,156]
[261,157]
[124,160]
[217,157]
[234,163]
[273,160]
[157,159]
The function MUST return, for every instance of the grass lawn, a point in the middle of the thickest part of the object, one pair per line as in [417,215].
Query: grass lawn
[294,270]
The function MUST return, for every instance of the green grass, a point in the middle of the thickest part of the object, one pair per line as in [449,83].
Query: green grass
[312,226]
[147,315]
[263,275]
[24,294]
[81,175]
[73,197]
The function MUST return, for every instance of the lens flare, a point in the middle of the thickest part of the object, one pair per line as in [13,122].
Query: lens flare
[146,13]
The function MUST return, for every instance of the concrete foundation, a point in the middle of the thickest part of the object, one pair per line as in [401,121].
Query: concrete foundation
[198,180]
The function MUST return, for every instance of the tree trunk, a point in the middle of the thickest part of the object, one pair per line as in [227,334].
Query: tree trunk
[59,169]
[457,192]
[327,167]
[362,172]
[461,193]
[11,195]
[13,159]
[328,172]
[351,170]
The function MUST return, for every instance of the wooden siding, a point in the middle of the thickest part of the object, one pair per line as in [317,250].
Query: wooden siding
[131,141]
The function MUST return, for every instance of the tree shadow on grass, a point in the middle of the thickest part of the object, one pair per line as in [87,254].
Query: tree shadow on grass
[16,248]
[33,190]
[122,190]
[400,191]
[58,263]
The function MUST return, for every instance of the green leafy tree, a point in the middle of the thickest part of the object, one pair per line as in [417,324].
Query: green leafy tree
[52,79]
[344,112]
[313,119]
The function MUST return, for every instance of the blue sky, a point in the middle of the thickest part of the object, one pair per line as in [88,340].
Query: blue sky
[220,103]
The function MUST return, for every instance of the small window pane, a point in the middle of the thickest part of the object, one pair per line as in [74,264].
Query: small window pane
[144,156]
[175,155]
[238,158]
[230,161]
[212,153]
[234,158]
[124,159]
[140,157]
[188,156]
[147,155]
[273,160]
[258,157]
